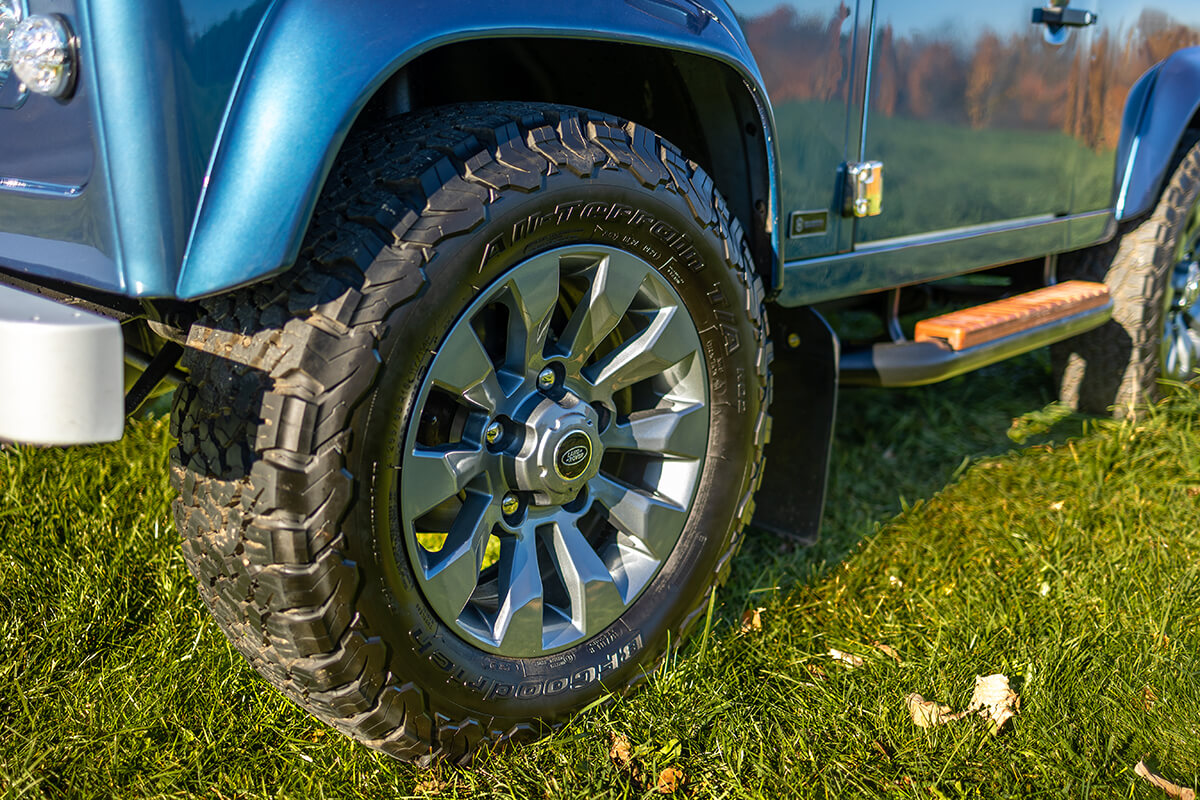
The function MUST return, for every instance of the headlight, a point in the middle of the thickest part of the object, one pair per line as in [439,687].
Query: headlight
[10,15]
[43,55]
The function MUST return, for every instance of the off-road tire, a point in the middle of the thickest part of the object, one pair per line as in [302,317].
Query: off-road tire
[1115,368]
[293,382]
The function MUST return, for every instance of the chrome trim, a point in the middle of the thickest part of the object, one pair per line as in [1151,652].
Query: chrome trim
[39,188]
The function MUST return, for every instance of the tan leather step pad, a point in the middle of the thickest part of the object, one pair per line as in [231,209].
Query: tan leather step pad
[981,324]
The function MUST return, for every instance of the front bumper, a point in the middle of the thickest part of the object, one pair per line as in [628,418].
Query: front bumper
[61,372]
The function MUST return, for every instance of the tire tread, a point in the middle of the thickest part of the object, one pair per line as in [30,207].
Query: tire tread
[278,368]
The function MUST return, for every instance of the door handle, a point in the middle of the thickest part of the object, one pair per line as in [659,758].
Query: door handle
[1060,16]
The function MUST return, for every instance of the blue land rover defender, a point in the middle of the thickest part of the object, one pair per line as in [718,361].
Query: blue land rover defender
[478,311]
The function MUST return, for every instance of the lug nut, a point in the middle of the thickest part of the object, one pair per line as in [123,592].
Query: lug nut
[546,379]
[492,434]
[510,504]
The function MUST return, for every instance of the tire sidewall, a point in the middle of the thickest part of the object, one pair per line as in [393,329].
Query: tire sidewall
[657,225]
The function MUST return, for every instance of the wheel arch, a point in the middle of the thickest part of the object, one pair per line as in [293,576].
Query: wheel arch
[1162,106]
[290,113]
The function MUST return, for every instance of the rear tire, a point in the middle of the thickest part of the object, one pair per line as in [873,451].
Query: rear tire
[309,410]
[1151,272]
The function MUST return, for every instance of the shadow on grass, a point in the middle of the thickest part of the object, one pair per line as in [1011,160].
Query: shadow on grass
[895,446]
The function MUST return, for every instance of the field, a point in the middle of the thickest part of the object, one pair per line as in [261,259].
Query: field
[1068,561]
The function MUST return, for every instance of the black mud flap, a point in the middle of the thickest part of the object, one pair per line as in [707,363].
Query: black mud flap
[792,496]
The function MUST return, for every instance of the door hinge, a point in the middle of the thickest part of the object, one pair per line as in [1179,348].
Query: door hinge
[864,188]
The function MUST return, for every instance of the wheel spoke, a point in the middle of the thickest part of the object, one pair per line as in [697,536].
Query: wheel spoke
[519,622]
[615,281]
[454,576]
[682,433]
[431,476]
[667,341]
[535,293]
[595,598]
[464,367]
[654,522]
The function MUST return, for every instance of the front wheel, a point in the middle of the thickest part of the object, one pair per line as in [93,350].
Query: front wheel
[484,452]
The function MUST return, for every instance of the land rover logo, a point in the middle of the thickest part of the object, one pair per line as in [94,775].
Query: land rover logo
[573,456]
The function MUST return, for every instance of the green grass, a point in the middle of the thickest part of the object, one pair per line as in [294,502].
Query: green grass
[1073,568]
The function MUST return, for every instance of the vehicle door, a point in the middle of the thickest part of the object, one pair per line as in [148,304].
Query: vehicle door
[975,113]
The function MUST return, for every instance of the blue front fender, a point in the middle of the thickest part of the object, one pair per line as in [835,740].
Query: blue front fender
[316,63]
[1160,107]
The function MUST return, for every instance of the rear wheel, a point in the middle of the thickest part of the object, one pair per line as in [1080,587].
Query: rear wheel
[1153,273]
[485,451]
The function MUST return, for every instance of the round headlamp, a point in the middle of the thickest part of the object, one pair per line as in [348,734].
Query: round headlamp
[10,15]
[42,50]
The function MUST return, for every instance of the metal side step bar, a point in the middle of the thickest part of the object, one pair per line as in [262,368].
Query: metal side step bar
[965,340]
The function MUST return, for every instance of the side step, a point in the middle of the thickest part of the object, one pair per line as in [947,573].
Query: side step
[964,340]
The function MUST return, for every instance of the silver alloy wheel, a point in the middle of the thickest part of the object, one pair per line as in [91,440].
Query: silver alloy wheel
[1180,353]
[589,363]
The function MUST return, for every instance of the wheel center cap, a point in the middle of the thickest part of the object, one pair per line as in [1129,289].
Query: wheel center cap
[562,450]
[573,455]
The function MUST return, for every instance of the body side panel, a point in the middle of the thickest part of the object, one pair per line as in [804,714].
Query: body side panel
[911,260]
[1128,157]
[55,219]
[164,71]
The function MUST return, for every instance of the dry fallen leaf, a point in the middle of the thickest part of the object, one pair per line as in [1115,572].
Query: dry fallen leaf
[994,698]
[849,659]
[429,785]
[1172,789]
[926,713]
[752,619]
[669,780]
[888,651]
[621,751]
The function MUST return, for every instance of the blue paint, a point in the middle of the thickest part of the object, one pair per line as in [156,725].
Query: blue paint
[1163,103]
[291,112]
[202,131]
[129,149]
[163,83]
